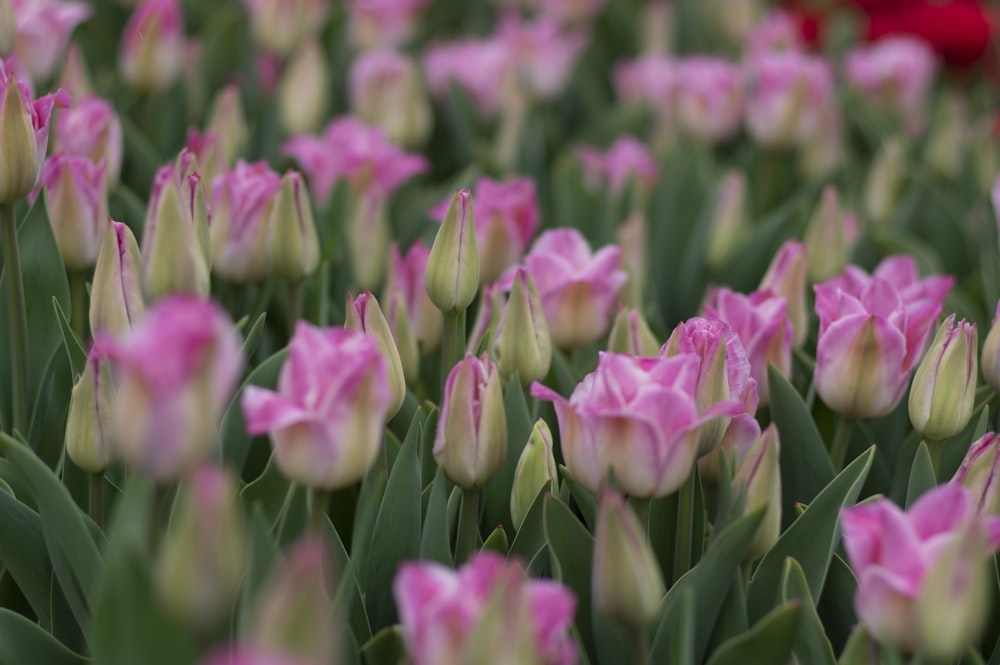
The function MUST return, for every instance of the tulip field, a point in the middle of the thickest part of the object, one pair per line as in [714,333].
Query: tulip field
[499,332]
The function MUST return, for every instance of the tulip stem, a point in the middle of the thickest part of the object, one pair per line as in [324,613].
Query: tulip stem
[18,319]
[468,532]
[95,507]
[934,449]
[294,306]
[685,528]
[452,344]
[640,655]
[641,506]
[841,439]
[319,499]
[77,301]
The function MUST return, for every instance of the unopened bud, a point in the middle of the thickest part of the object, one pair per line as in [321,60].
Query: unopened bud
[365,315]
[991,353]
[522,344]
[980,473]
[368,240]
[304,90]
[536,469]
[453,267]
[830,237]
[786,276]
[729,220]
[634,243]
[116,294]
[943,393]
[228,121]
[631,334]
[293,246]
[88,425]
[758,484]
[884,181]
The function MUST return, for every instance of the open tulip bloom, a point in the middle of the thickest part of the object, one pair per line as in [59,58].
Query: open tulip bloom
[512,332]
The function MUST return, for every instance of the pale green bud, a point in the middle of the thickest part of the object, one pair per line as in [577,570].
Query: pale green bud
[729,220]
[536,468]
[293,246]
[406,340]
[304,90]
[116,294]
[89,423]
[365,315]
[522,343]
[452,278]
[631,334]
[830,237]
[943,393]
[758,484]
[885,177]
[368,240]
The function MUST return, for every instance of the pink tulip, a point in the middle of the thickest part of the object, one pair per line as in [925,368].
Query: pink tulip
[896,73]
[650,80]
[24,135]
[326,419]
[153,48]
[545,53]
[626,160]
[710,98]
[208,149]
[176,372]
[91,129]
[980,473]
[569,11]
[440,609]
[477,67]
[638,417]
[77,202]
[777,31]
[383,23]
[356,152]
[578,288]
[406,278]
[789,94]
[786,277]
[386,90]
[761,321]
[251,655]
[242,205]
[900,560]
[872,333]
[43,33]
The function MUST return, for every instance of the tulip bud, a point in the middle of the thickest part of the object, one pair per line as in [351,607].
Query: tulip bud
[632,239]
[503,635]
[471,441]
[980,471]
[536,468]
[8,28]
[453,267]
[406,339]
[786,277]
[368,239]
[228,121]
[626,582]
[77,202]
[243,205]
[405,278]
[153,45]
[116,294]
[202,558]
[830,237]
[946,145]
[729,220]
[953,602]
[943,393]
[279,25]
[487,319]
[386,91]
[824,152]
[75,77]
[758,483]
[365,315]
[522,344]
[985,153]
[92,129]
[293,246]
[631,334]
[88,425]
[304,90]
[991,353]
[174,257]
[24,136]
[885,177]
[294,614]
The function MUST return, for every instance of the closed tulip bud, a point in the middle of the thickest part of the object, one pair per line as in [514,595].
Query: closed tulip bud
[991,353]
[293,246]
[452,278]
[985,153]
[946,145]
[504,633]
[365,315]
[786,277]
[228,121]
[116,302]
[294,614]
[405,278]
[202,558]
[406,339]
[280,25]
[885,178]
[758,484]
[386,90]
[304,90]
[368,239]
[943,393]
[487,319]
[522,344]
[8,29]
[88,425]
[536,469]
[243,205]
[77,202]
[627,583]
[24,135]
[632,238]
[176,371]
[153,46]
[471,441]
[75,77]
[729,220]
[824,152]
[980,471]
[175,246]
[92,129]
[631,334]
[830,237]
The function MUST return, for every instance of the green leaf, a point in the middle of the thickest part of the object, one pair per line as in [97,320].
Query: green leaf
[23,641]
[23,554]
[836,603]
[74,348]
[75,556]
[682,636]
[496,494]
[263,551]
[921,474]
[280,502]
[396,536]
[530,538]
[385,648]
[572,551]
[252,339]
[810,540]
[233,431]
[767,643]
[805,463]
[860,649]
[584,500]
[435,536]
[44,278]
[497,541]
[811,644]
[348,599]
[709,581]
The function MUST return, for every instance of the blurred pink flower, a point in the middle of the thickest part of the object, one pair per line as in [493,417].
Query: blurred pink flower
[383,23]
[440,608]
[650,80]
[569,11]
[896,72]
[789,93]
[627,159]
[77,202]
[153,49]
[281,25]
[92,129]
[710,98]
[243,201]
[872,333]
[777,31]
[406,278]
[350,150]
[43,33]
[478,67]
[546,54]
